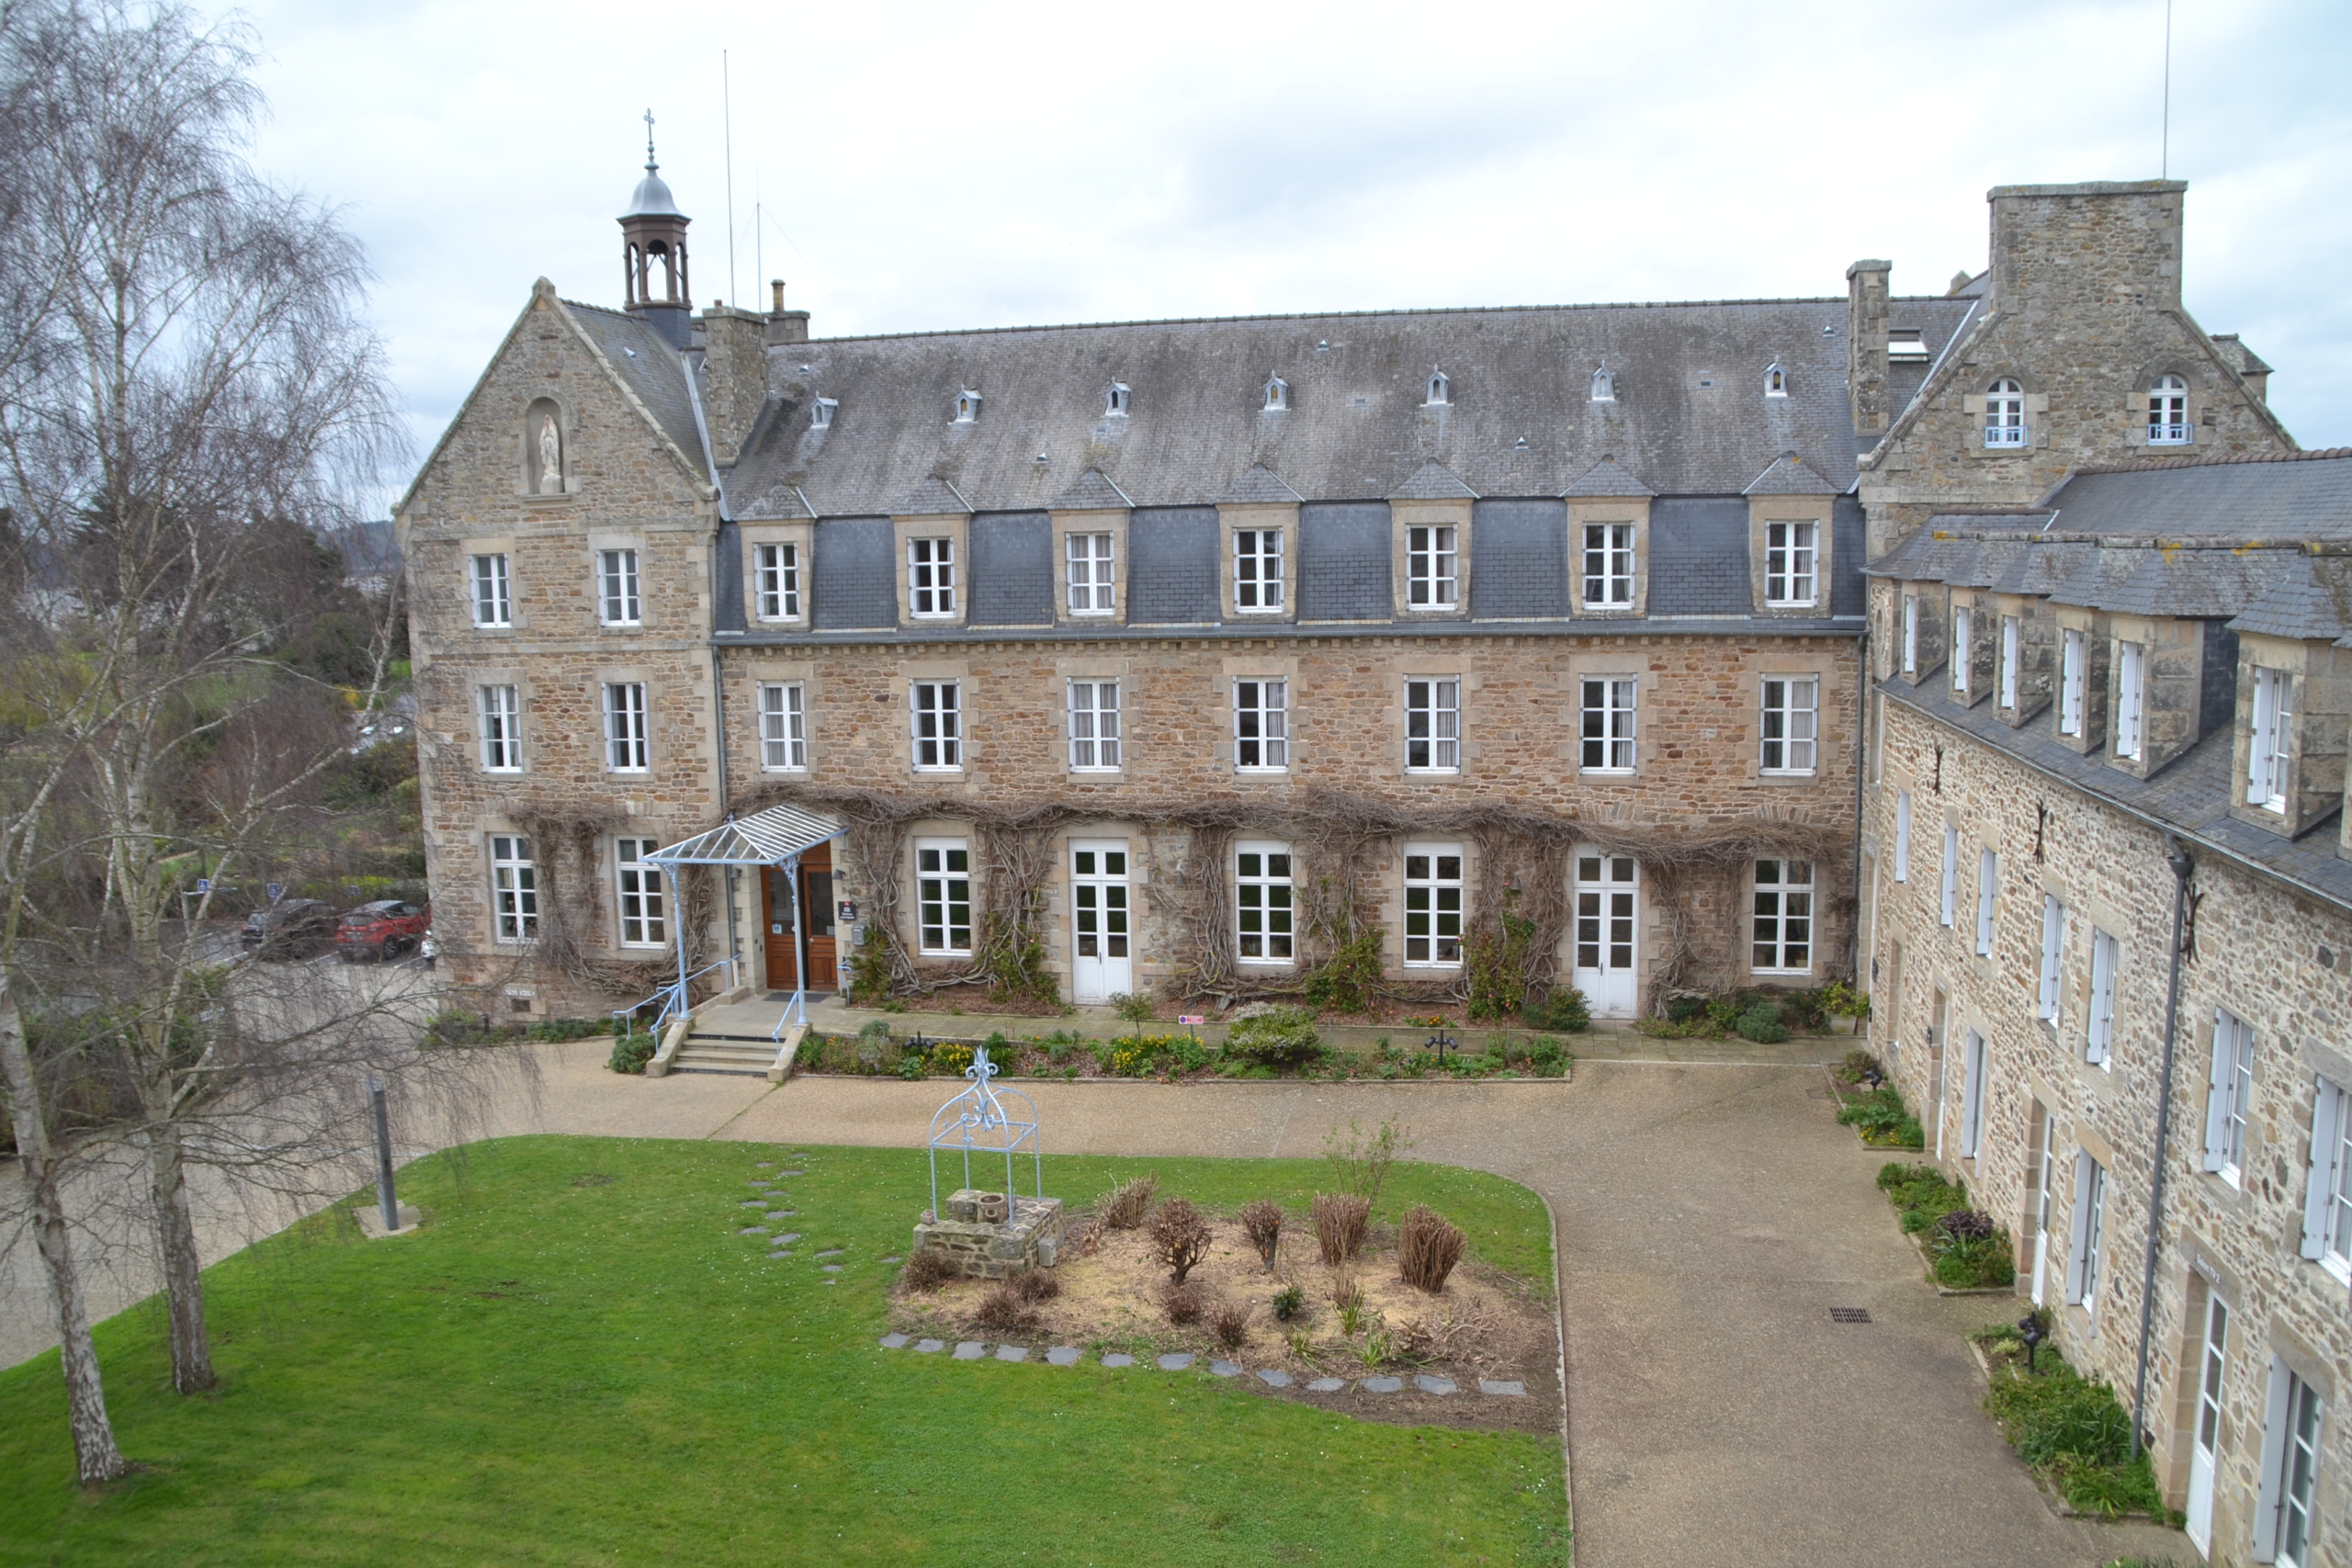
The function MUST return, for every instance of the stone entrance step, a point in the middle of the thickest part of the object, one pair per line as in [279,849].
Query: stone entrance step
[701,1054]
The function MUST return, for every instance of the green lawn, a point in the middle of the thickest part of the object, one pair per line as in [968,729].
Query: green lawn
[570,1370]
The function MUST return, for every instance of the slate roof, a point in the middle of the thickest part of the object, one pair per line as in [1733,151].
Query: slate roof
[1790,476]
[1607,480]
[1433,481]
[2290,495]
[653,370]
[2304,597]
[1093,492]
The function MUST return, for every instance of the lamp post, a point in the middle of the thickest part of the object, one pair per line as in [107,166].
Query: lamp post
[1439,1043]
[2029,1329]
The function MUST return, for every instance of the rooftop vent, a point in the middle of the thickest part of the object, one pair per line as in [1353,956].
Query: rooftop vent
[1323,347]
[968,406]
[821,413]
[1776,380]
[1277,394]
[1114,400]
[1604,386]
[1441,390]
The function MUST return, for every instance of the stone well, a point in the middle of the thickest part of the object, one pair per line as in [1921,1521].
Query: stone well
[990,1236]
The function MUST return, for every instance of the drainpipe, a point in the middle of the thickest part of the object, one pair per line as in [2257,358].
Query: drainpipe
[730,880]
[1862,768]
[2176,856]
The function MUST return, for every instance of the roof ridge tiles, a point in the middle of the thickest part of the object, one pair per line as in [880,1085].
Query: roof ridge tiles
[2221,460]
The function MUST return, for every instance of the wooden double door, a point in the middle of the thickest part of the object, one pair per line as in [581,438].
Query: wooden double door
[815,916]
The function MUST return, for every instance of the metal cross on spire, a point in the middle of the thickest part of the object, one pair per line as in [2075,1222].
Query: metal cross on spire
[650,164]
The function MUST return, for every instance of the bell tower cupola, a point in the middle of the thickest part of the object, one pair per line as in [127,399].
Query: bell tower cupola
[654,242]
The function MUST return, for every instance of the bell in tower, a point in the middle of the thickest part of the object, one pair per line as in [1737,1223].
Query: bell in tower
[653,239]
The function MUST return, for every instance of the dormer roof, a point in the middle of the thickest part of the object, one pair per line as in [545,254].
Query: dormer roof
[1093,492]
[1259,487]
[1789,475]
[934,497]
[1607,480]
[1432,481]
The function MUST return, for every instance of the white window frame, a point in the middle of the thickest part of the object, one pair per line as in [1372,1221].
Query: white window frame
[498,714]
[1433,906]
[513,890]
[1963,633]
[1092,589]
[1265,903]
[1951,905]
[1791,563]
[2273,731]
[1975,1065]
[1261,724]
[783,728]
[776,576]
[1910,634]
[1257,571]
[935,720]
[1902,835]
[2008,676]
[1790,725]
[2053,957]
[640,894]
[931,579]
[2286,1506]
[2004,414]
[2327,1190]
[2074,662]
[2229,1097]
[1433,724]
[2168,413]
[2086,1242]
[1609,709]
[2099,1027]
[628,727]
[1988,892]
[1781,916]
[2130,688]
[493,591]
[1432,563]
[1608,566]
[943,893]
[618,601]
[1095,737]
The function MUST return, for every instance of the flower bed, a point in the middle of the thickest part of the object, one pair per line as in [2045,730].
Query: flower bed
[1964,1249]
[2074,1432]
[1877,1113]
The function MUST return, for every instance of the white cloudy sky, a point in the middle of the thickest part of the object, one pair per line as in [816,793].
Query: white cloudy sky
[933,166]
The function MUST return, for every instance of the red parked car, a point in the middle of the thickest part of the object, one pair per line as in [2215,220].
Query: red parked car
[382,929]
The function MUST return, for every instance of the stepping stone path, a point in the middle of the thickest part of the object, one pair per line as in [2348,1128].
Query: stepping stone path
[894,1342]
[1062,1356]
[1175,1361]
[753,1230]
[894,1260]
[1429,1384]
[782,1174]
[931,1347]
[1381,1385]
[832,1269]
[1181,1361]
[1013,1353]
[754,1203]
[1512,1389]
[774,1255]
[758,1184]
[1327,1385]
[785,1238]
[1273,1377]
[833,1252]
[1224,1369]
[969,1351]
[1115,1360]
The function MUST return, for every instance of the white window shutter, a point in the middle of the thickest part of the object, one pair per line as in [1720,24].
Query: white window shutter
[2078,1227]
[2327,1104]
[2217,1094]
[2274,1453]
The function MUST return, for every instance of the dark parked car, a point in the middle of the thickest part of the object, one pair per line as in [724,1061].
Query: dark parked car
[291,928]
[382,929]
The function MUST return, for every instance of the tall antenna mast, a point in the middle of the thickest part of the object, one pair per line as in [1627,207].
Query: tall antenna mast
[727,116]
[2164,156]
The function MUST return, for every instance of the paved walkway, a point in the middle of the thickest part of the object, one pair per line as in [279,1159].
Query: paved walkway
[1710,1215]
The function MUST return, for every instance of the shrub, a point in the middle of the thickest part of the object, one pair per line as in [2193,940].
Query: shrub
[1547,1058]
[1427,1246]
[1563,1008]
[1840,1000]
[1281,1037]
[1182,1304]
[949,1058]
[1857,1063]
[1351,978]
[1360,1161]
[1967,1224]
[1883,1120]
[631,1053]
[1037,1285]
[1135,1007]
[1289,1301]
[1230,1320]
[1261,1221]
[1179,1237]
[571,1028]
[1123,1206]
[927,1268]
[1762,1024]
[2075,1429]
[1347,1298]
[1686,1009]
[1341,1220]
[1006,1311]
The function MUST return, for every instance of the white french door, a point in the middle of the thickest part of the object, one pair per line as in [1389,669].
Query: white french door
[1100,964]
[2042,1210]
[2205,1440]
[1608,900]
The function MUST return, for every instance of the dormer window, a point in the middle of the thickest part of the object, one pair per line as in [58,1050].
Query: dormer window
[2168,413]
[1115,400]
[2004,413]
[1277,394]
[2274,701]
[1905,348]
[821,413]
[1441,390]
[1604,386]
[968,406]
[1776,380]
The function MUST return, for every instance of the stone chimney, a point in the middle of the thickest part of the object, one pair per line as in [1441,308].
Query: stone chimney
[784,326]
[2099,243]
[1866,345]
[734,377]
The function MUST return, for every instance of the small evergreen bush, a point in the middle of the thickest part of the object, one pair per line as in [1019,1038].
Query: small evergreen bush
[1280,1037]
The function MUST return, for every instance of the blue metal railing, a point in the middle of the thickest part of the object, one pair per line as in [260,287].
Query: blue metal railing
[672,997]
[797,1004]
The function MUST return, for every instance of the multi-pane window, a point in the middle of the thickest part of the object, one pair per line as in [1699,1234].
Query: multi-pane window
[1432,906]
[2089,1232]
[1257,569]
[931,576]
[1792,719]
[944,895]
[626,745]
[2327,1200]
[2008,677]
[2168,413]
[1950,891]
[2053,953]
[2291,1488]
[639,883]
[2230,1094]
[1608,566]
[1262,903]
[616,601]
[1789,552]
[1429,568]
[1094,725]
[2004,414]
[1092,591]
[1963,628]
[1782,934]
[2072,655]
[2274,720]
[1902,835]
[2130,668]
[501,729]
[775,570]
[1434,726]
[1910,634]
[783,728]
[938,717]
[2098,1033]
[513,890]
[494,595]
[1608,730]
[1261,724]
[1988,882]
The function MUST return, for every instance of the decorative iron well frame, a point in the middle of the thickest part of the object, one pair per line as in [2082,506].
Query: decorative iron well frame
[977,1115]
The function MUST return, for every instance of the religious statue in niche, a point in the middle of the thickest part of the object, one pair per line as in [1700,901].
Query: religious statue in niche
[550,459]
